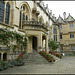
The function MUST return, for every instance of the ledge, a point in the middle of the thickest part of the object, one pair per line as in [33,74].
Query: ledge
[34,23]
[7,25]
[21,30]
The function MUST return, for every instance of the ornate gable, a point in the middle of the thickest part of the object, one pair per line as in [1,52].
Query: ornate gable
[69,18]
[60,20]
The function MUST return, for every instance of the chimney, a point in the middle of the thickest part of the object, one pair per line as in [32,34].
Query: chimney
[64,14]
[46,5]
[50,13]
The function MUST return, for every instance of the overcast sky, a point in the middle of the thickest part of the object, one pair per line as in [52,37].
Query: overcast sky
[58,7]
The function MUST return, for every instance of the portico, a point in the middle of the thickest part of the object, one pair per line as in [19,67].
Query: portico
[36,36]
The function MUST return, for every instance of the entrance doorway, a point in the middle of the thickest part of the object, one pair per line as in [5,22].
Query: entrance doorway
[4,56]
[34,43]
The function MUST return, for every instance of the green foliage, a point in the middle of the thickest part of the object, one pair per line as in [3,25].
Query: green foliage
[6,36]
[52,45]
[3,65]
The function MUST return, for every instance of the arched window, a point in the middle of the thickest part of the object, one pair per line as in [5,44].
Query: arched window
[55,34]
[26,17]
[23,8]
[20,21]
[23,16]
[1,10]
[7,13]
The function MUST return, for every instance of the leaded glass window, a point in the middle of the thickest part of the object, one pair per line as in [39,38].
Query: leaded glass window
[55,34]
[71,35]
[20,21]
[26,17]
[23,17]
[71,25]
[1,10]
[7,13]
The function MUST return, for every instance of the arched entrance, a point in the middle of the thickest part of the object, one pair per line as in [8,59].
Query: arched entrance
[4,56]
[44,42]
[34,43]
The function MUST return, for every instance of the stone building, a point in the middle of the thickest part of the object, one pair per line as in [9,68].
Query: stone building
[31,18]
[67,32]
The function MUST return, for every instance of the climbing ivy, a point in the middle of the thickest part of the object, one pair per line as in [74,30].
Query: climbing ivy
[7,36]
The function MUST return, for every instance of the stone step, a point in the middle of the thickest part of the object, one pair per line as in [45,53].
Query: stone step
[35,58]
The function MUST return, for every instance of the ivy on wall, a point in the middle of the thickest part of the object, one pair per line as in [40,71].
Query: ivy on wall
[7,37]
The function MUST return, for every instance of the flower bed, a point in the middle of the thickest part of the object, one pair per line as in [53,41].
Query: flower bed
[21,56]
[47,56]
[19,60]
[56,54]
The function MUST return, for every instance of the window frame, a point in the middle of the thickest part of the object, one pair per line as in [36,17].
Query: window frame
[60,26]
[71,36]
[7,13]
[2,11]
[60,36]
[71,25]
[55,34]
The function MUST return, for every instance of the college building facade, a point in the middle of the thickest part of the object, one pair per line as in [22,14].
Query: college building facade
[33,19]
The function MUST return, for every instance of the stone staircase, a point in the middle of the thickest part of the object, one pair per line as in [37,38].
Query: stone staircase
[34,58]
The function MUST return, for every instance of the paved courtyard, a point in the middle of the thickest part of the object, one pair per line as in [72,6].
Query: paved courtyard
[64,66]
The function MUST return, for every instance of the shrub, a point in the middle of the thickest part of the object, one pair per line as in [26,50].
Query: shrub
[3,65]
[52,45]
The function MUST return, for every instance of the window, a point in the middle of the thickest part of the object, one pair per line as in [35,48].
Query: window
[20,21]
[60,26]
[71,35]
[23,8]
[55,34]
[72,48]
[60,36]
[26,17]
[54,31]
[71,25]
[1,10]
[7,13]
[61,48]
[23,17]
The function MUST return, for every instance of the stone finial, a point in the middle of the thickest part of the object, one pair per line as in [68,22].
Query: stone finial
[69,14]
[64,14]
[50,13]
[54,15]
[46,5]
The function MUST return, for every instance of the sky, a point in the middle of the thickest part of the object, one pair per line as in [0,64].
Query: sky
[58,7]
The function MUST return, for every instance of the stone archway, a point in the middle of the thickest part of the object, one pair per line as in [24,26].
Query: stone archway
[4,56]
[34,43]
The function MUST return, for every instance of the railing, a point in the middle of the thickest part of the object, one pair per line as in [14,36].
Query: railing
[34,23]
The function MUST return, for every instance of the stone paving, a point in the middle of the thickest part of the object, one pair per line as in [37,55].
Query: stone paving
[64,66]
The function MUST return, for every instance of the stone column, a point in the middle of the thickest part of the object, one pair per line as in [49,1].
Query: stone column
[7,56]
[46,42]
[1,56]
[40,41]
[29,44]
